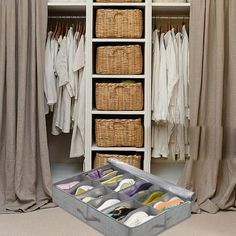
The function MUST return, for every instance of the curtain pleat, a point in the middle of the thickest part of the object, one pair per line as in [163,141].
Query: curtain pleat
[211,171]
[25,178]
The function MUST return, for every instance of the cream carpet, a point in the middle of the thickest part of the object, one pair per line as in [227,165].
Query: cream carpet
[56,222]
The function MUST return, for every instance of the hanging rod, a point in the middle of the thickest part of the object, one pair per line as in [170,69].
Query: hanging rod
[66,17]
[171,17]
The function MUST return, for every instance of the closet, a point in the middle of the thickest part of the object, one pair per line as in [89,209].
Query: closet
[59,146]
[64,14]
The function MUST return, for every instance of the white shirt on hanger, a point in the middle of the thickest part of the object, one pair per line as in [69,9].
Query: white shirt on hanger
[49,79]
[63,117]
[185,51]
[180,114]
[71,54]
[77,141]
[54,48]
[160,131]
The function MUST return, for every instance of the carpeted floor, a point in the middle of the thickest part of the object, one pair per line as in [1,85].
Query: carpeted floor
[56,222]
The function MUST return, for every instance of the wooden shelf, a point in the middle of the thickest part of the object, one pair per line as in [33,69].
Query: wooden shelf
[118,76]
[66,7]
[182,9]
[97,112]
[119,4]
[117,40]
[125,149]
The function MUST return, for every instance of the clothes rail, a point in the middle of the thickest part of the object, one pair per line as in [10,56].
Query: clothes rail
[172,17]
[67,17]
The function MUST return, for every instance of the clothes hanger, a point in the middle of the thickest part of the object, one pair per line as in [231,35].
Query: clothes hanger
[84,28]
[77,26]
[79,31]
[58,33]
[177,28]
[67,29]
[155,23]
[55,30]
[50,26]
[168,27]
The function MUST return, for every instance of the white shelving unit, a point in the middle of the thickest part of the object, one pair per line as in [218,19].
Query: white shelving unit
[150,9]
[91,148]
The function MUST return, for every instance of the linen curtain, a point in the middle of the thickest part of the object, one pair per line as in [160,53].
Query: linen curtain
[25,178]
[211,171]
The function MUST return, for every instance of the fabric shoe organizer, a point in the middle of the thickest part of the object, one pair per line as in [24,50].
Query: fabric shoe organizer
[121,200]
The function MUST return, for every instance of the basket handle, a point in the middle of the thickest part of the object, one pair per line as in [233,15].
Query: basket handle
[114,94]
[118,13]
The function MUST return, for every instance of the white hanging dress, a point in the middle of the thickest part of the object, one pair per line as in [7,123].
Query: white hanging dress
[63,118]
[180,111]
[160,132]
[77,141]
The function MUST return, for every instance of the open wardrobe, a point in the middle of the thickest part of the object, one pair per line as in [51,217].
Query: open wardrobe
[120,112]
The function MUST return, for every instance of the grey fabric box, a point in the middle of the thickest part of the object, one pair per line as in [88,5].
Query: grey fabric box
[109,226]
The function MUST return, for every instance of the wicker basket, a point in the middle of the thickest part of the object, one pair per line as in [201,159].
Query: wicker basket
[119,96]
[119,132]
[119,60]
[101,159]
[114,23]
[118,0]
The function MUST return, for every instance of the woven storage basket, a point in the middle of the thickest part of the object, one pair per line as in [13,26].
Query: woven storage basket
[101,159]
[119,60]
[119,132]
[119,96]
[118,0]
[114,23]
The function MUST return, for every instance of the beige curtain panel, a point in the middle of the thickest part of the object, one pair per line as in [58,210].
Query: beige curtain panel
[25,178]
[211,172]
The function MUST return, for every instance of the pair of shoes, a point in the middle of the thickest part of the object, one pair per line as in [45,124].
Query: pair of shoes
[67,186]
[138,187]
[95,174]
[120,212]
[110,174]
[83,189]
[108,203]
[113,180]
[164,206]
[138,218]
[125,183]
[88,199]
[153,197]
[105,172]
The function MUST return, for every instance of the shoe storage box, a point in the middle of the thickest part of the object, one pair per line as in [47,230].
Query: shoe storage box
[88,213]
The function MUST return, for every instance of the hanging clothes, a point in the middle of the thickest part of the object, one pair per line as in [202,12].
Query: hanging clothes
[77,141]
[56,130]
[71,54]
[160,132]
[173,80]
[180,111]
[49,79]
[185,51]
[63,117]
[67,63]
[170,76]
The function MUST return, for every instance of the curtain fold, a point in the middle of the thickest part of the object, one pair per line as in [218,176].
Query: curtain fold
[211,171]
[25,178]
